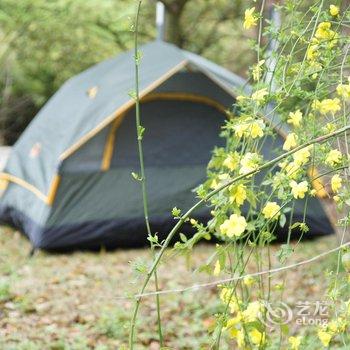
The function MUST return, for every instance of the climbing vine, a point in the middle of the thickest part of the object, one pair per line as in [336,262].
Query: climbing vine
[297,106]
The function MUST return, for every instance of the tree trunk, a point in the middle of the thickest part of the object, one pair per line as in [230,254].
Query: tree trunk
[174,11]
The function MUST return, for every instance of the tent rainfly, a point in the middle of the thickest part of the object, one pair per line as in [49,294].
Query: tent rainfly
[68,183]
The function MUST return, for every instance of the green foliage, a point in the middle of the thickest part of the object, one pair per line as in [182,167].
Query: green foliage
[5,293]
[44,43]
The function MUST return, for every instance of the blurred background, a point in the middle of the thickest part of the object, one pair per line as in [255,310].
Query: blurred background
[43,43]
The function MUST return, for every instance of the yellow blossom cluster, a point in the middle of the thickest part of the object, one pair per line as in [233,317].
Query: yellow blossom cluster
[232,161]
[250,128]
[241,315]
[292,169]
[250,18]
[333,158]
[334,10]
[290,142]
[327,105]
[259,96]
[257,70]
[334,327]
[238,194]
[271,210]
[219,181]
[234,226]
[343,90]
[302,156]
[249,162]
[324,31]
[295,118]
[249,281]
[294,342]
[336,183]
[325,34]
[299,189]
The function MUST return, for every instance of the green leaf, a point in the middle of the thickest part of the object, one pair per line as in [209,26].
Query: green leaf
[285,251]
[183,237]
[132,94]
[138,57]
[283,220]
[140,132]
[176,212]
[136,176]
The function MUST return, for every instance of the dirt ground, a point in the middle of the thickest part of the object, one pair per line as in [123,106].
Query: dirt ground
[79,301]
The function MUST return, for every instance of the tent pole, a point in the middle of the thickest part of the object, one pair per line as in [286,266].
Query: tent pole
[160,18]
[271,61]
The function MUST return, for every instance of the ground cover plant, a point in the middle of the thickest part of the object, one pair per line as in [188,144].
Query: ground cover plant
[80,301]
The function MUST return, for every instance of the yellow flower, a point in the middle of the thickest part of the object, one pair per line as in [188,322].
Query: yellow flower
[238,194]
[193,222]
[214,184]
[241,98]
[334,10]
[240,129]
[232,161]
[294,342]
[250,127]
[336,199]
[343,90]
[249,281]
[237,334]
[231,322]
[327,106]
[336,183]
[311,52]
[333,158]
[227,296]
[234,226]
[253,311]
[291,141]
[256,337]
[313,192]
[336,326]
[271,210]
[250,18]
[257,70]
[299,189]
[217,268]
[295,118]
[249,162]
[292,170]
[302,156]
[329,127]
[325,337]
[257,129]
[259,95]
[222,179]
[324,31]
[240,339]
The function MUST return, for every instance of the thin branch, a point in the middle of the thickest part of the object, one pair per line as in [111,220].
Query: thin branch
[241,277]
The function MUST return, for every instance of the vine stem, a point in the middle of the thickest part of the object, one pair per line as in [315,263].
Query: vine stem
[139,134]
[184,217]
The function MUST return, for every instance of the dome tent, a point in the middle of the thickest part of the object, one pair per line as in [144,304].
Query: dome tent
[68,183]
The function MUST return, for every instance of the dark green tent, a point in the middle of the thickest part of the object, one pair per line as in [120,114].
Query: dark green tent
[68,180]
